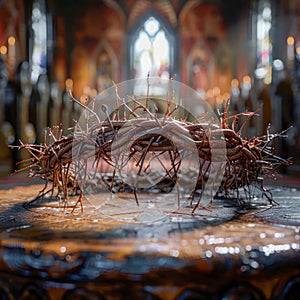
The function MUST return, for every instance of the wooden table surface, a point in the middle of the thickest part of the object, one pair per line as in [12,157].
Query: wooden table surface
[225,252]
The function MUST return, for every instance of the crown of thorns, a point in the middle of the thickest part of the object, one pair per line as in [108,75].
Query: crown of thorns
[246,161]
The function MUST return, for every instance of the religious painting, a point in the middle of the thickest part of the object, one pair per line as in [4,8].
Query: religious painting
[206,52]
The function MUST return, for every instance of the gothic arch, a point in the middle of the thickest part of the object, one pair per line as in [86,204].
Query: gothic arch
[164,8]
[105,65]
[189,5]
[169,32]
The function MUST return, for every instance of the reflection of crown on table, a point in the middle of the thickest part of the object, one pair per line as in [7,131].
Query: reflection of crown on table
[64,161]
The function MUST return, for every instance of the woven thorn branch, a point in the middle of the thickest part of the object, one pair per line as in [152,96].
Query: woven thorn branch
[58,161]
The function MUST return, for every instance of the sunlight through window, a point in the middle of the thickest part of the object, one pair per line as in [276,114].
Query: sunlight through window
[39,28]
[151,50]
[264,45]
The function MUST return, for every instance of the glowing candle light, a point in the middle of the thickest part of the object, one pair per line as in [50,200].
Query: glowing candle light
[298,51]
[3,50]
[11,46]
[246,86]
[290,47]
[234,83]
[235,91]
[69,84]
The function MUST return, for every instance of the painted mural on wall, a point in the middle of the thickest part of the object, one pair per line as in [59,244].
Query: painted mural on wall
[99,48]
[12,47]
[206,55]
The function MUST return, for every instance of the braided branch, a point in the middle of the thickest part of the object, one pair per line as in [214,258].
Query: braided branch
[248,161]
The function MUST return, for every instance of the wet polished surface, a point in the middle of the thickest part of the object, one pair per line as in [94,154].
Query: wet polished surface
[227,252]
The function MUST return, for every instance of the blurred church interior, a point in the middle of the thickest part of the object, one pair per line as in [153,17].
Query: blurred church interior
[245,50]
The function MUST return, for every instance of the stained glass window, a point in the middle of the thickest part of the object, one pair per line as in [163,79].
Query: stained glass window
[151,50]
[264,45]
[39,28]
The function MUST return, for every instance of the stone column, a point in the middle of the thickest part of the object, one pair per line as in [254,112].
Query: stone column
[5,159]
[67,114]
[25,130]
[42,106]
[55,112]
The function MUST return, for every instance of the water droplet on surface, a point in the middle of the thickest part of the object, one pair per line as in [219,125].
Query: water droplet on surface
[262,235]
[248,247]
[63,249]
[208,254]
[254,264]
